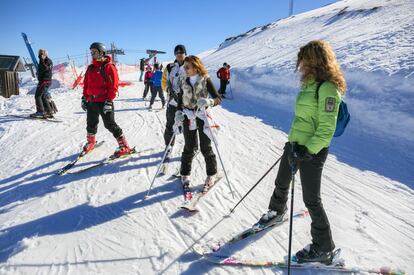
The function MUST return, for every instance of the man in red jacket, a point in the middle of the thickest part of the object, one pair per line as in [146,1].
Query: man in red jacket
[224,75]
[99,91]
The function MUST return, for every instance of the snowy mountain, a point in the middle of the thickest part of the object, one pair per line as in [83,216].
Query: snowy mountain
[98,222]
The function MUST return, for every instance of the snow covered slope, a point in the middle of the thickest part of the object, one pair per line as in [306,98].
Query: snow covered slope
[98,222]
[373,41]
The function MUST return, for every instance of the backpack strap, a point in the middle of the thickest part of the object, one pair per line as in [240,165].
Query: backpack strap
[102,70]
[318,86]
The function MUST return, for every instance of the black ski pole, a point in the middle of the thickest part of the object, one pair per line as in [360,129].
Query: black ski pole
[254,186]
[231,91]
[293,166]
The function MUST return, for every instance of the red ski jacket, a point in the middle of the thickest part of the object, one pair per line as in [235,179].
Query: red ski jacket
[223,73]
[101,81]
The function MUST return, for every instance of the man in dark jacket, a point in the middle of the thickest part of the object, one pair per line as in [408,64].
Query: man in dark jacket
[172,77]
[45,107]
[224,75]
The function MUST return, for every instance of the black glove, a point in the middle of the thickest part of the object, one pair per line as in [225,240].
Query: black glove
[108,107]
[84,104]
[298,153]
[228,81]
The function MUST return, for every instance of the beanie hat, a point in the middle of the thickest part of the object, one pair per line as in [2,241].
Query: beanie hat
[180,48]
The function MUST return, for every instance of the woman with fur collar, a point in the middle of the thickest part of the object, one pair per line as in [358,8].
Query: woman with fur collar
[197,94]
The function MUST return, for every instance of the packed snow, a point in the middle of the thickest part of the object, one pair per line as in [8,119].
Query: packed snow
[98,222]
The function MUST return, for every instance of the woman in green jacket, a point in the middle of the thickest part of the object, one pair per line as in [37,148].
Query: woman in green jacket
[309,138]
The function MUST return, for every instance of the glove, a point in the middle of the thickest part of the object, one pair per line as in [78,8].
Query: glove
[179,117]
[108,107]
[228,81]
[298,153]
[84,103]
[205,102]
[178,127]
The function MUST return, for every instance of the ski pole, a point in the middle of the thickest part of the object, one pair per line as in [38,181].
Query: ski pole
[159,166]
[293,167]
[254,186]
[218,152]
[231,91]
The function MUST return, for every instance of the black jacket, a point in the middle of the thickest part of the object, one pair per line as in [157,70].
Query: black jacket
[45,69]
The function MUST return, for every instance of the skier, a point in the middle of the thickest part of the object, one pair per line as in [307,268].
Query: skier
[194,97]
[45,107]
[309,138]
[224,75]
[172,76]
[99,91]
[147,81]
[141,68]
[156,86]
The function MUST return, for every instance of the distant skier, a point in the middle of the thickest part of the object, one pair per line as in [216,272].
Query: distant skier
[147,81]
[141,68]
[172,76]
[156,86]
[194,97]
[45,107]
[309,138]
[224,75]
[99,91]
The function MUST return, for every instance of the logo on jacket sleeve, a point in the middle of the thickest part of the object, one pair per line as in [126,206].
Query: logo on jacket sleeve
[330,104]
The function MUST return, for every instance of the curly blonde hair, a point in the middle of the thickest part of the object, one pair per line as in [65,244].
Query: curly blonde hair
[318,62]
[197,64]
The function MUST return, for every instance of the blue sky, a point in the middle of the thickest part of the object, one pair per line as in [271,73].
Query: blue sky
[69,27]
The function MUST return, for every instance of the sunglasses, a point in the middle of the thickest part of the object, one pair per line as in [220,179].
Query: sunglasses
[177,53]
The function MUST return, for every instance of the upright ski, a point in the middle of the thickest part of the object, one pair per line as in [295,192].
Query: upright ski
[29,48]
[254,229]
[64,169]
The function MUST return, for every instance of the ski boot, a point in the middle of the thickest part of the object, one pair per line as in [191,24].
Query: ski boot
[271,217]
[311,254]
[123,148]
[91,140]
[209,182]
[38,115]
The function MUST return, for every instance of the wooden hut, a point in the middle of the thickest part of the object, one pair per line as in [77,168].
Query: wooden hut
[10,65]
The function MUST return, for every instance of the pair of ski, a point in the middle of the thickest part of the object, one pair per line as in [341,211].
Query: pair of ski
[210,253]
[49,119]
[103,162]
[191,199]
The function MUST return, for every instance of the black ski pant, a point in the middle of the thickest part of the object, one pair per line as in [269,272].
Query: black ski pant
[94,109]
[154,91]
[169,132]
[191,147]
[223,85]
[148,86]
[42,102]
[310,176]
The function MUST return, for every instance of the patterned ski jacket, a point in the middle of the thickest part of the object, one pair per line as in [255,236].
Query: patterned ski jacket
[203,88]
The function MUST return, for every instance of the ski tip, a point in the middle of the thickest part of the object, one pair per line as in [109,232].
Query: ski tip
[189,209]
